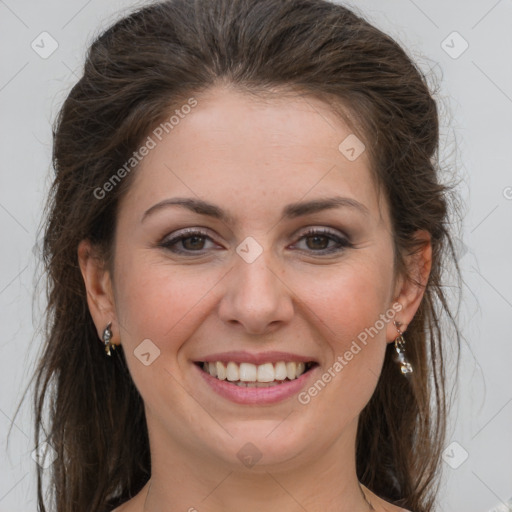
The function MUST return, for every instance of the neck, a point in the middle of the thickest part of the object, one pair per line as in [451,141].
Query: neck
[187,480]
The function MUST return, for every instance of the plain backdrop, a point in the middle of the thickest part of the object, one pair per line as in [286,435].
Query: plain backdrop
[465,46]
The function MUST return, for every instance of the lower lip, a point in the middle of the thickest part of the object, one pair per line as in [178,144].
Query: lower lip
[243,395]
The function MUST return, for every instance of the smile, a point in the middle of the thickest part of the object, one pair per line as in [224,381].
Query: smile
[250,383]
[252,375]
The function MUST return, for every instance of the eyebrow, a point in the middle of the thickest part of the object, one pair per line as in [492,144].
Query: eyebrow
[291,211]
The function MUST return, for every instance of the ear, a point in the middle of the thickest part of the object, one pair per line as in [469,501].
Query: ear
[98,285]
[410,288]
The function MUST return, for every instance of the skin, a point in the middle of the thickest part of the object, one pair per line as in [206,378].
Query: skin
[252,157]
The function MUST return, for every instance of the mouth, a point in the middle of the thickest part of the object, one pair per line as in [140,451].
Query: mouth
[249,375]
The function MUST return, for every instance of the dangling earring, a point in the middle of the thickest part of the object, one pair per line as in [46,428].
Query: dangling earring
[107,336]
[405,366]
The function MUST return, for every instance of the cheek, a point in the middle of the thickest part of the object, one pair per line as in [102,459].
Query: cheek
[165,305]
[349,300]
[348,306]
[159,301]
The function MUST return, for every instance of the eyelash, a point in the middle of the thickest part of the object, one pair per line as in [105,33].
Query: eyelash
[343,243]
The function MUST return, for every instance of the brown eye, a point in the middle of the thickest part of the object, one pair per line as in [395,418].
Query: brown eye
[188,242]
[318,242]
[191,243]
[323,241]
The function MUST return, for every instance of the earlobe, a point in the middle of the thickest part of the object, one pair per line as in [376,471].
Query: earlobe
[412,286]
[98,285]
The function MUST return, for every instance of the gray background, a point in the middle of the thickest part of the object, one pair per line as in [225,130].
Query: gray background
[476,98]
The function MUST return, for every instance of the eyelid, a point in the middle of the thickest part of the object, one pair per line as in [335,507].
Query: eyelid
[186,231]
[322,229]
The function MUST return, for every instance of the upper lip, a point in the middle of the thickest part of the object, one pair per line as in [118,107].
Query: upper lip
[260,358]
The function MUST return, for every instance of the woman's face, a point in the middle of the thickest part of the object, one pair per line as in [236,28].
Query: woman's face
[267,276]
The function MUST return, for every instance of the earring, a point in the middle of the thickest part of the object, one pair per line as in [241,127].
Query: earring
[405,366]
[107,336]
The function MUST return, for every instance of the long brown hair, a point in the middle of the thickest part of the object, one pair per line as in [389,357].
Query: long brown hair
[86,405]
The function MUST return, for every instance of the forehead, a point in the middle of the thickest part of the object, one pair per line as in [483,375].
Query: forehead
[245,151]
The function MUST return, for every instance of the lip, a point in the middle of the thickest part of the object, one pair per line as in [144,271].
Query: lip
[261,358]
[256,396]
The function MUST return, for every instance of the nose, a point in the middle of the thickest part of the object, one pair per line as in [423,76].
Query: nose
[256,296]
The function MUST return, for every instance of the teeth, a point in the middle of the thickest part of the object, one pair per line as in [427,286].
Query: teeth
[251,375]
[221,371]
[248,372]
[291,370]
[255,384]
[280,368]
[266,372]
[232,373]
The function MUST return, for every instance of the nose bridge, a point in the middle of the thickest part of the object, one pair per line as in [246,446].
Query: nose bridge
[255,296]
[256,276]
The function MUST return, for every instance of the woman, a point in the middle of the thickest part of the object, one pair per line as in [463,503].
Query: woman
[247,215]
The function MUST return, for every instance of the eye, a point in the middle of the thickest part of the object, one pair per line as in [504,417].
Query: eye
[318,240]
[186,242]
